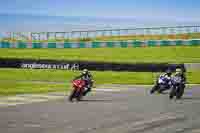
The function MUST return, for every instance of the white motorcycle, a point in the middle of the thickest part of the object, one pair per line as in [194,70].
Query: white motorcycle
[162,84]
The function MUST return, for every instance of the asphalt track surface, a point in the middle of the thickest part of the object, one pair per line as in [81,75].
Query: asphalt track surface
[131,110]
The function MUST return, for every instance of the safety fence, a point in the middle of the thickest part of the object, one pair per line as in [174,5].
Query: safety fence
[95,44]
[185,31]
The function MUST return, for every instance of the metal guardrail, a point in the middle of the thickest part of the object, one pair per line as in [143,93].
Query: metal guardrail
[99,44]
[101,33]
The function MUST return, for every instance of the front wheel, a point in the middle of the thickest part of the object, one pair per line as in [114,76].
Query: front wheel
[172,93]
[155,88]
[72,95]
[79,96]
[180,92]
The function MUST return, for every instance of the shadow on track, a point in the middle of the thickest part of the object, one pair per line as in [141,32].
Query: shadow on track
[164,93]
[96,100]
[190,98]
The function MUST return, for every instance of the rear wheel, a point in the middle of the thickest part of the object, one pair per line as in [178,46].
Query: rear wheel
[161,89]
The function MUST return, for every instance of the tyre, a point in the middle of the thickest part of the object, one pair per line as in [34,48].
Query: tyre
[72,95]
[79,96]
[172,93]
[151,91]
[160,91]
[180,93]
[155,88]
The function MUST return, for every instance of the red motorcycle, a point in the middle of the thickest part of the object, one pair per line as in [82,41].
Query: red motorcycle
[78,89]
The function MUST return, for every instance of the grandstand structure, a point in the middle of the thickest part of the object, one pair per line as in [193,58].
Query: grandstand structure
[154,33]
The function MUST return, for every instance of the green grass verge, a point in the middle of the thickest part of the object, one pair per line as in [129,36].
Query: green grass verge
[180,54]
[20,81]
[16,87]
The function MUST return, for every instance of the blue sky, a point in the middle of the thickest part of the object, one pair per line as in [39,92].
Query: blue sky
[167,11]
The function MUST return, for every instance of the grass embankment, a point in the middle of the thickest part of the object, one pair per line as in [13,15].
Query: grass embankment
[20,81]
[121,38]
[178,54]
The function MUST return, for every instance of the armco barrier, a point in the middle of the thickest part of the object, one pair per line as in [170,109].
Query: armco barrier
[111,44]
[80,65]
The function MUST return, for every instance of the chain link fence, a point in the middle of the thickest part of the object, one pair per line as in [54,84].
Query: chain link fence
[155,33]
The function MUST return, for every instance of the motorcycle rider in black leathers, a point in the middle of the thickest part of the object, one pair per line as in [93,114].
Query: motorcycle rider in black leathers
[87,77]
[178,84]
[167,75]
[179,72]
